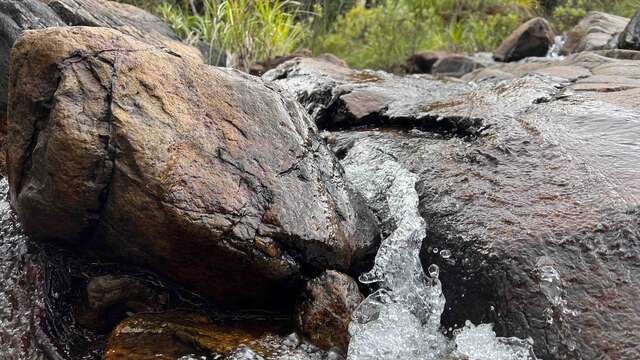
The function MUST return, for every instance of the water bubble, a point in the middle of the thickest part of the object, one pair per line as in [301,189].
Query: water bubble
[445,254]
[435,250]
[293,340]
[434,270]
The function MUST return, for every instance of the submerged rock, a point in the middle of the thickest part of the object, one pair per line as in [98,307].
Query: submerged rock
[630,37]
[533,38]
[594,32]
[177,334]
[226,189]
[325,308]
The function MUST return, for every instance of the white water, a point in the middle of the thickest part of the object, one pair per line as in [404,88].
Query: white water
[401,320]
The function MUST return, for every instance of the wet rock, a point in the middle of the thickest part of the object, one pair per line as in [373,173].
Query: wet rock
[455,66]
[554,176]
[110,299]
[533,38]
[226,189]
[171,335]
[109,14]
[630,36]
[550,177]
[338,97]
[594,32]
[325,308]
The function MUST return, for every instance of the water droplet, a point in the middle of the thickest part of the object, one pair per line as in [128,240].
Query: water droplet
[434,270]
[435,250]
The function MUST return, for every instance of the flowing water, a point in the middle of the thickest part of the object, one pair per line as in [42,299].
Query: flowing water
[401,319]
[21,306]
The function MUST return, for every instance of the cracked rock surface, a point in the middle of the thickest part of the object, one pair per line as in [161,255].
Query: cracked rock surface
[207,176]
[537,212]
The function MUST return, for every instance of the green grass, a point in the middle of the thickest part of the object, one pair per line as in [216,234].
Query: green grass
[250,30]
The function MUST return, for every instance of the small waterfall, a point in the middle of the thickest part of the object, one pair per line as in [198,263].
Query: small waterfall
[401,320]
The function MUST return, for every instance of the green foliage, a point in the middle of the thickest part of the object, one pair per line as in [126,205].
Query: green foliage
[567,13]
[251,30]
[387,34]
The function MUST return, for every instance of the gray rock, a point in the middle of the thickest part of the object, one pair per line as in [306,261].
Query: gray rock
[339,97]
[455,66]
[630,36]
[594,32]
[539,209]
[109,14]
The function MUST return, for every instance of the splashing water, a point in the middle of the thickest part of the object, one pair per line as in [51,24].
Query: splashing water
[401,320]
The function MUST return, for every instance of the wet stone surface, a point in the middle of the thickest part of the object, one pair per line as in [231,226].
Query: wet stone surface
[533,216]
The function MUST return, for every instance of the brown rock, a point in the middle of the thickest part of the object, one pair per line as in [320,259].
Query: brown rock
[205,175]
[171,335]
[594,32]
[533,38]
[325,308]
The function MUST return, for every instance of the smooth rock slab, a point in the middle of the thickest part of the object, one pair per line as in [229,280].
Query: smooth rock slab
[207,176]
[340,97]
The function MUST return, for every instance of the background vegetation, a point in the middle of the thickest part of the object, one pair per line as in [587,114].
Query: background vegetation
[365,33]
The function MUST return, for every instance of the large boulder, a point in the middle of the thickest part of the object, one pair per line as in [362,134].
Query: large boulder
[533,218]
[205,175]
[533,38]
[630,36]
[324,311]
[596,31]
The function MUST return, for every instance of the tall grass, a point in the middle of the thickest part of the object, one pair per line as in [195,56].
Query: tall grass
[250,30]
